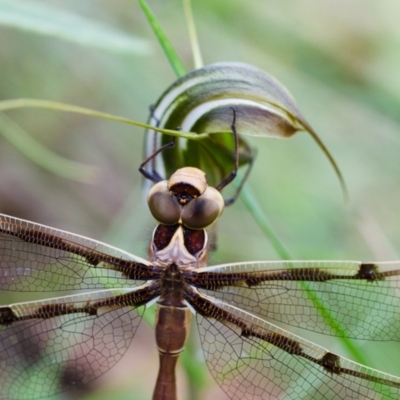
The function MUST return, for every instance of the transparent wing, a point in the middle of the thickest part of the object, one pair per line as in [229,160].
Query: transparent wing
[341,298]
[37,258]
[253,359]
[57,344]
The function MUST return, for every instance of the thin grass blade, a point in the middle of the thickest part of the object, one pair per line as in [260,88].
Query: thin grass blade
[172,56]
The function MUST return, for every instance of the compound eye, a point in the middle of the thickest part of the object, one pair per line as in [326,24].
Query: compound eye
[204,210]
[164,206]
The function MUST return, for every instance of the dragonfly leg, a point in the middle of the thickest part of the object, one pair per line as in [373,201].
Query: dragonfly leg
[233,173]
[153,175]
[246,175]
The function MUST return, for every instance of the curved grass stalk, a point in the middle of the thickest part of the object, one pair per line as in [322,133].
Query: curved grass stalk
[169,51]
[194,41]
[54,105]
[256,211]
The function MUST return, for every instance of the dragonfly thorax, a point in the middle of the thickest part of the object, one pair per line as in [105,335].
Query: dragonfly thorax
[176,244]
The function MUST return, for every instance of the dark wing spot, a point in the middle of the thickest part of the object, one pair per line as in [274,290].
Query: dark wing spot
[369,272]
[331,363]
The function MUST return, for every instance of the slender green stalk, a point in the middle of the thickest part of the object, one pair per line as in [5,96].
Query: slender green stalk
[255,209]
[194,41]
[172,56]
[54,105]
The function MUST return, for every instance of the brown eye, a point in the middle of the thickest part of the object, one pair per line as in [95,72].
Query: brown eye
[203,210]
[164,207]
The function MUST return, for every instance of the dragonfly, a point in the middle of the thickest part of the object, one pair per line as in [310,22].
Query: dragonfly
[55,344]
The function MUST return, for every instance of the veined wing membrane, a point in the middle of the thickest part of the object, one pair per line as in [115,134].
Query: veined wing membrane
[57,344]
[362,299]
[253,359]
[37,258]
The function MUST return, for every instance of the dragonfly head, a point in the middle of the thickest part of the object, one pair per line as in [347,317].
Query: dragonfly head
[186,199]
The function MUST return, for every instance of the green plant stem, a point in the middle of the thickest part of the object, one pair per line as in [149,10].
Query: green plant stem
[54,105]
[172,56]
[194,41]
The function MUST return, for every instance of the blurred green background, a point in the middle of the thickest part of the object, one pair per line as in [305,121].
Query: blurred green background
[341,61]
